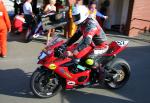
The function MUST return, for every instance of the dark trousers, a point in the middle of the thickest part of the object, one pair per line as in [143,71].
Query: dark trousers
[30,22]
[18,8]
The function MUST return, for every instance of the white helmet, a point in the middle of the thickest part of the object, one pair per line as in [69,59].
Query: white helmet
[80,13]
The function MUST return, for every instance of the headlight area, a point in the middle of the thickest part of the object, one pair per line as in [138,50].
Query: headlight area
[44,53]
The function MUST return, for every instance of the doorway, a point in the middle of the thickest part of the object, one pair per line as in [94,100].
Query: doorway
[118,14]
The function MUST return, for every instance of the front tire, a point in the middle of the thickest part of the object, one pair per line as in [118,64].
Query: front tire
[119,73]
[44,83]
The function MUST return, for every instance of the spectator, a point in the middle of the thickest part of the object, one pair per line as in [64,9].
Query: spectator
[71,26]
[29,19]
[48,9]
[39,26]
[5,26]
[79,2]
[96,14]
[18,23]
[28,13]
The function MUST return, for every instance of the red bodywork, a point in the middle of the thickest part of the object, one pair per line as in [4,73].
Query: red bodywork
[72,79]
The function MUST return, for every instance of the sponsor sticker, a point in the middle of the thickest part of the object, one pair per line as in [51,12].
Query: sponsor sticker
[71,83]
[64,72]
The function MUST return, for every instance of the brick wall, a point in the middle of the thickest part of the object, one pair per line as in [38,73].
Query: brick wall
[140,20]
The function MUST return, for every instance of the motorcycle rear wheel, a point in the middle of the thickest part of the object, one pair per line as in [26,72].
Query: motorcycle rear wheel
[119,70]
[44,84]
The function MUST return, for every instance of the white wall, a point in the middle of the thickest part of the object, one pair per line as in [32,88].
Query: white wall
[111,13]
[125,12]
[118,12]
[115,12]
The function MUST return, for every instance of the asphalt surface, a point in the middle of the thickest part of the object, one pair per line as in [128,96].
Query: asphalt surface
[16,69]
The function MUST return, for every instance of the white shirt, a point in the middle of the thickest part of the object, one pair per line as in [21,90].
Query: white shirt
[27,8]
[20,18]
[51,8]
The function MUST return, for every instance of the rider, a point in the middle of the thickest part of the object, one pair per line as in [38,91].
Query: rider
[90,30]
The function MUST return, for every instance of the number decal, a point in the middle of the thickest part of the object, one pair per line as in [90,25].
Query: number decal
[122,43]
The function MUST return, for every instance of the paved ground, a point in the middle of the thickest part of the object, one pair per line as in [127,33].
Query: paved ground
[145,37]
[16,69]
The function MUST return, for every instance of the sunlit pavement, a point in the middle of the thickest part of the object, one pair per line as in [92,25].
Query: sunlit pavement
[16,69]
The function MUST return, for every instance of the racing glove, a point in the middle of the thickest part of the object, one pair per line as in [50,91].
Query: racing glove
[59,52]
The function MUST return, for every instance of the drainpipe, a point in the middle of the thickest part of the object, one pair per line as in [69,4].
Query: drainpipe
[128,23]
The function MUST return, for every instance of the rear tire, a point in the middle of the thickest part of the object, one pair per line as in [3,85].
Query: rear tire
[119,70]
[44,84]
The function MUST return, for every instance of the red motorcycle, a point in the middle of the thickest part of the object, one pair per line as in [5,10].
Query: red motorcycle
[62,72]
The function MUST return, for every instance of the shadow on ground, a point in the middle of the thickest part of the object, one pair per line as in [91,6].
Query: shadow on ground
[15,82]
[16,37]
[85,97]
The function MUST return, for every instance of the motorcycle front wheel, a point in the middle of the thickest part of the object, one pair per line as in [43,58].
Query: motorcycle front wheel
[119,73]
[44,84]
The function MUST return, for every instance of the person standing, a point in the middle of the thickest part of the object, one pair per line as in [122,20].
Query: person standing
[71,26]
[50,8]
[29,19]
[95,13]
[5,26]
[28,13]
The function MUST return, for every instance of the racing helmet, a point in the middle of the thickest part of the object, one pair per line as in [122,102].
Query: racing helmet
[79,13]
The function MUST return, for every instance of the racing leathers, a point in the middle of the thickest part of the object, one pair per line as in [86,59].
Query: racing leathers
[93,35]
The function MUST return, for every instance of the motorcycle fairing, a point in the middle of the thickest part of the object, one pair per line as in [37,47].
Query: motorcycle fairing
[116,47]
[74,78]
